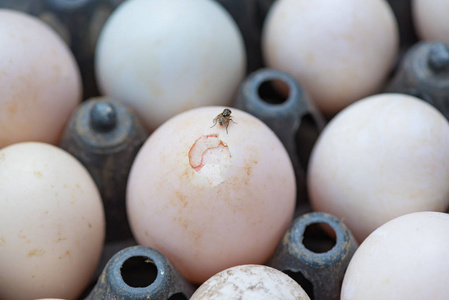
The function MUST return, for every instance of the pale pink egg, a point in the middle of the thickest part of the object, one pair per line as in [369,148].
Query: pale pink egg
[40,84]
[431,19]
[208,198]
[404,259]
[381,157]
[340,51]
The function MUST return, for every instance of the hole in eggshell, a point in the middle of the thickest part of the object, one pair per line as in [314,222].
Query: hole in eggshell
[274,91]
[139,271]
[208,149]
[306,285]
[319,237]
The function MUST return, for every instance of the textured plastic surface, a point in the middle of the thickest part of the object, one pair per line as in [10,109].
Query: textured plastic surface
[116,281]
[284,118]
[324,270]
[105,136]
[424,73]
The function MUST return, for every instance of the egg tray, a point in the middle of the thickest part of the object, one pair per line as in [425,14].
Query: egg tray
[308,253]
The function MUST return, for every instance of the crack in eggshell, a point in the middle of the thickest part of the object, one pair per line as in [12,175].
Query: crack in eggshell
[210,157]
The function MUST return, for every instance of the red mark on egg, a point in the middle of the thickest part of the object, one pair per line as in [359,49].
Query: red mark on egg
[202,147]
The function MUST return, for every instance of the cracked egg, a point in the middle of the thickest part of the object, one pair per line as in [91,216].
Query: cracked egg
[208,198]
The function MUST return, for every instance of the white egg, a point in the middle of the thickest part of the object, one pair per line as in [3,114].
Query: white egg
[431,19]
[40,84]
[163,57]
[52,223]
[381,157]
[406,258]
[339,51]
[211,198]
[248,282]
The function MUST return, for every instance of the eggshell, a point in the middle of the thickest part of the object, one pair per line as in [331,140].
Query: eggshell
[40,84]
[339,51]
[250,282]
[208,199]
[431,19]
[381,157]
[51,223]
[406,258]
[163,57]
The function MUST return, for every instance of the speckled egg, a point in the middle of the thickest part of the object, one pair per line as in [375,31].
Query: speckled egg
[40,84]
[248,282]
[52,223]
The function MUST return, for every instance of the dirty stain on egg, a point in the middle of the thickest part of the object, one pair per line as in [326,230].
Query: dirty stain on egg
[208,199]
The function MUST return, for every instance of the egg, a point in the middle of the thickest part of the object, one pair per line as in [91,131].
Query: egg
[339,51]
[430,19]
[40,84]
[211,195]
[404,259]
[250,282]
[52,223]
[163,57]
[381,157]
